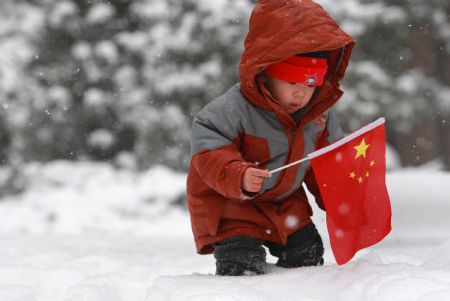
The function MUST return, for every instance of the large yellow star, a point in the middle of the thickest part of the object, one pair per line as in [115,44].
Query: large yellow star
[361,149]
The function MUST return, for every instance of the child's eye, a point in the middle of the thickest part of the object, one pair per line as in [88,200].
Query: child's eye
[292,83]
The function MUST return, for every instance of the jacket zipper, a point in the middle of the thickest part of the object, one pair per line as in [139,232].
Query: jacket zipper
[292,133]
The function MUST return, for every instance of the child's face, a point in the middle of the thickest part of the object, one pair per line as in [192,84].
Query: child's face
[293,96]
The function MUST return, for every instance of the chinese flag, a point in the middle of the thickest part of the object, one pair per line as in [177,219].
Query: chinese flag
[351,176]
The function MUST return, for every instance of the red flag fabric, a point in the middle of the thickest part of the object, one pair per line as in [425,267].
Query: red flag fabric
[351,177]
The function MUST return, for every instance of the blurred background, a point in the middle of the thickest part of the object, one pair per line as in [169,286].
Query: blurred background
[117,82]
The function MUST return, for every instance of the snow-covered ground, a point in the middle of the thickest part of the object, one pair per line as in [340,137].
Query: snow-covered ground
[90,232]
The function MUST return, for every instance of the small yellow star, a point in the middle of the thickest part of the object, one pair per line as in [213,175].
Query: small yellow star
[352,175]
[367,174]
[372,163]
[361,149]
[360,179]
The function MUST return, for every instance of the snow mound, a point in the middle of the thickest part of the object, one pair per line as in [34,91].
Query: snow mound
[65,197]
[116,235]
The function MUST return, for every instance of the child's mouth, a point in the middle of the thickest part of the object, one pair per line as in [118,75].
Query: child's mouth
[294,107]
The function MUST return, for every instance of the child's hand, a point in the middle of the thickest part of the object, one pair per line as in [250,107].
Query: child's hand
[254,178]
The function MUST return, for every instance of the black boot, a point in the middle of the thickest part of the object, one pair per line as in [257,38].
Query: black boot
[303,248]
[240,256]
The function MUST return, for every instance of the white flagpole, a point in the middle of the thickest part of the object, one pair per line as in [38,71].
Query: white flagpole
[335,145]
[289,165]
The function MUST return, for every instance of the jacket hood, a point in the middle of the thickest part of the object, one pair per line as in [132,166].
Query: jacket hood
[279,29]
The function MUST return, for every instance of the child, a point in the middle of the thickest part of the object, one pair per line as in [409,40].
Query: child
[295,55]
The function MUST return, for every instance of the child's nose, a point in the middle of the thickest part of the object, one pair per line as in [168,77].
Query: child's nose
[299,93]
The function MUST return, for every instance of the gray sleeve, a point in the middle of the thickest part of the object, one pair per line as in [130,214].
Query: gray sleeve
[216,125]
[334,128]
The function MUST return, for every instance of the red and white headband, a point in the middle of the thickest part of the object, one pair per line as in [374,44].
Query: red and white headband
[299,69]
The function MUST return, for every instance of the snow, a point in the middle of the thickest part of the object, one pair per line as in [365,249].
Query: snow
[444,96]
[372,70]
[82,50]
[89,231]
[100,13]
[87,196]
[187,77]
[94,97]
[126,78]
[355,12]
[60,97]
[101,138]
[151,9]
[133,41]
[408,82]
[392,158]
[108,51]
[15,48]
[61,11]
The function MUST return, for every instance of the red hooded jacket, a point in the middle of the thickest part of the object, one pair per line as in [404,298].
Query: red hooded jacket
[248,127]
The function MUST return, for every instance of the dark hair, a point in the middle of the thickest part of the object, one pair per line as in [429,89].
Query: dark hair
[317,54]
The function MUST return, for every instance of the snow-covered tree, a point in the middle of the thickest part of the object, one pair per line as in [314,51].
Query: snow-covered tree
[400,69]
[121,80]
[19,22]
[126,76]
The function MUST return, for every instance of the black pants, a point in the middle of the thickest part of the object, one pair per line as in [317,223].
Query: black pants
[246,255]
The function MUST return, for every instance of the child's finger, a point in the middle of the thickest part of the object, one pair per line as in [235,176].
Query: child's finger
[256,187]
[258,180]
[261,173]
[253,188]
